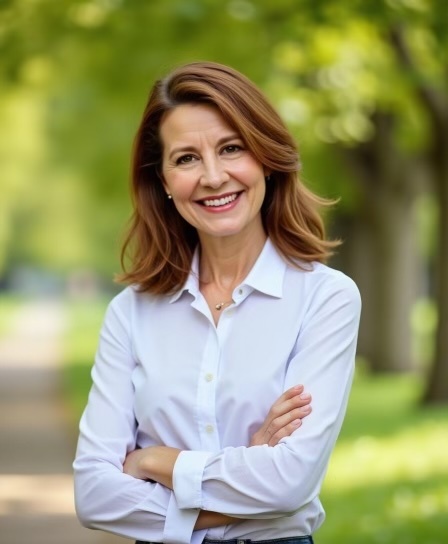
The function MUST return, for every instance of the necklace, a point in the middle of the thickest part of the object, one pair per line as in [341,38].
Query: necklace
[221,305]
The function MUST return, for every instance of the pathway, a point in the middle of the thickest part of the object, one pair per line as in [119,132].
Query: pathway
[36,446]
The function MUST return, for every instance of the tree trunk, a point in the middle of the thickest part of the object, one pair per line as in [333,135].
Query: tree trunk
[437,384]
[356,258]
[395,282]
[434,101]
[384,256]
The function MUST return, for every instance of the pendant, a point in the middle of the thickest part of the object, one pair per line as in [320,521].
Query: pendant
[221,305]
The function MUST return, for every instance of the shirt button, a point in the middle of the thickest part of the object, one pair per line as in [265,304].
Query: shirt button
[209,429]
[208,377]
[240,291]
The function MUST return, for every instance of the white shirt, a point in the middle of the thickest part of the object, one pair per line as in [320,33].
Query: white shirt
[166,375]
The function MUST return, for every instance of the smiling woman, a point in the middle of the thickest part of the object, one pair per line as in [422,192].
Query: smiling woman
[199,424]
[161,263]
[216,184]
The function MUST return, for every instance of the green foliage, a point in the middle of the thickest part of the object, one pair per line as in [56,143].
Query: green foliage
[75,75]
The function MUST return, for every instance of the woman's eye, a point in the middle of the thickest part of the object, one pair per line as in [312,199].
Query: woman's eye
[185,159]
[232,148]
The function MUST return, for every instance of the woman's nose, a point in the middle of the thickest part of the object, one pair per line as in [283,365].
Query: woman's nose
[214,175]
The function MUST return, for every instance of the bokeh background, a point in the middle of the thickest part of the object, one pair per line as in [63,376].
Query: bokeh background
[363,85]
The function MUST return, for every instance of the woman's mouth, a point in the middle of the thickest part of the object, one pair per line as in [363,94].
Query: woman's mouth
[219,202]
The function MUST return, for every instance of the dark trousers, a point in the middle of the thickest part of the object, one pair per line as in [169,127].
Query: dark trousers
[286,540]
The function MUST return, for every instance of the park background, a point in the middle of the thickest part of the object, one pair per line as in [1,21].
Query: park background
[363,86]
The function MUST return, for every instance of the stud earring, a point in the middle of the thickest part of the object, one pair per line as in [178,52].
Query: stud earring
[169,196]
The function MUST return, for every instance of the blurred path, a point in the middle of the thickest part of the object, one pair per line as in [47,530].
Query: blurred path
[36,446]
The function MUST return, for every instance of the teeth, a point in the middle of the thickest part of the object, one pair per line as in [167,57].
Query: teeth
[220,201]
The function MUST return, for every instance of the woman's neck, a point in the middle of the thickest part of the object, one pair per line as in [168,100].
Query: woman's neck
[225,262]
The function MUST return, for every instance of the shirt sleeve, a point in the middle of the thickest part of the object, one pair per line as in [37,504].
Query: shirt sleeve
[105,497]
[268,482]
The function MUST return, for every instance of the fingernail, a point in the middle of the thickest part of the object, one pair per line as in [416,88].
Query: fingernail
[298,387]
[297,422]
[305,396]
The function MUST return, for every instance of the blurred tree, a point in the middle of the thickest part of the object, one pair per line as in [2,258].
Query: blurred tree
[369,78]
[85,68]
[362,84]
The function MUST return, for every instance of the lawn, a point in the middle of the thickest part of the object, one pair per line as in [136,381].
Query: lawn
[388,477]
[9,308]
[84,322]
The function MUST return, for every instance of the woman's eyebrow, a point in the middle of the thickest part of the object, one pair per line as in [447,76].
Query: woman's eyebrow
[191,148]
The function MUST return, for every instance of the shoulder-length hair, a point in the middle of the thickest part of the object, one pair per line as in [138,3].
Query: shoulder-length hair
[158,250]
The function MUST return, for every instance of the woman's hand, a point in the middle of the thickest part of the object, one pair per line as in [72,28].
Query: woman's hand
[284,417]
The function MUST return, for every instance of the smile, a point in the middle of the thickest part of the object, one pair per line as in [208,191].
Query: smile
[223,201]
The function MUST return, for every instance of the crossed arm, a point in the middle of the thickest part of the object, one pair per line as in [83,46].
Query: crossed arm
[157,462]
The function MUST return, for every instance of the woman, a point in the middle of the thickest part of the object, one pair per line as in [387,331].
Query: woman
[193,428]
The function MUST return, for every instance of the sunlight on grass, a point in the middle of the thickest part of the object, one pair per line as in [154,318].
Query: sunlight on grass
[388,477]
[407,504]
[413,454]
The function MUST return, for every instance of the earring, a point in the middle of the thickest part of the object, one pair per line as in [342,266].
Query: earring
[169,196]
[267,178]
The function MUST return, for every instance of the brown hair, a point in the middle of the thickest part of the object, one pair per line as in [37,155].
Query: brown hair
[161,241]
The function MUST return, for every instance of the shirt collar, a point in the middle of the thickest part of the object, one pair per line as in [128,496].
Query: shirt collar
[265,276]
[268,272]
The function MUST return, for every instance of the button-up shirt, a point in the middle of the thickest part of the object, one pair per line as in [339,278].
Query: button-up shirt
[165,374]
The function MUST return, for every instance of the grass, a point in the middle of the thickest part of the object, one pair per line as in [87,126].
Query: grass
[85,320]
[9,307]
[388,477]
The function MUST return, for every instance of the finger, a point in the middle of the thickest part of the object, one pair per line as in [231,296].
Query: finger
[291,399]
[284,432]
[281,426]
[285,419]
[288,405]
[289,393]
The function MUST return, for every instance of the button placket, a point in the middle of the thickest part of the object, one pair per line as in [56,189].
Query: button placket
[207,393]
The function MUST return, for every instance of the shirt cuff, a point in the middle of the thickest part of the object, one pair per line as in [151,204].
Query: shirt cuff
[187,478]
[179,524]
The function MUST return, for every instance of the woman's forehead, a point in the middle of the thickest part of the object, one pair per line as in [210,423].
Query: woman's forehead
[191,121]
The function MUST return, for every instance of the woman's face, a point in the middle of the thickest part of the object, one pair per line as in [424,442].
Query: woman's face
[215,182]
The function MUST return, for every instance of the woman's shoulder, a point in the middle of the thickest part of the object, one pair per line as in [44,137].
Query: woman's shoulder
[326,273]
[321,279]
[131,297]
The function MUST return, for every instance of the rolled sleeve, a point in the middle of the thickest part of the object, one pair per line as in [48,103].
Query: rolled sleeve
[187,478]
[179,524]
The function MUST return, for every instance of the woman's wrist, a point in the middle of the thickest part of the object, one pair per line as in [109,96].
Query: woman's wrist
[208,520]
[158,464]
[144,465]
[154,463]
